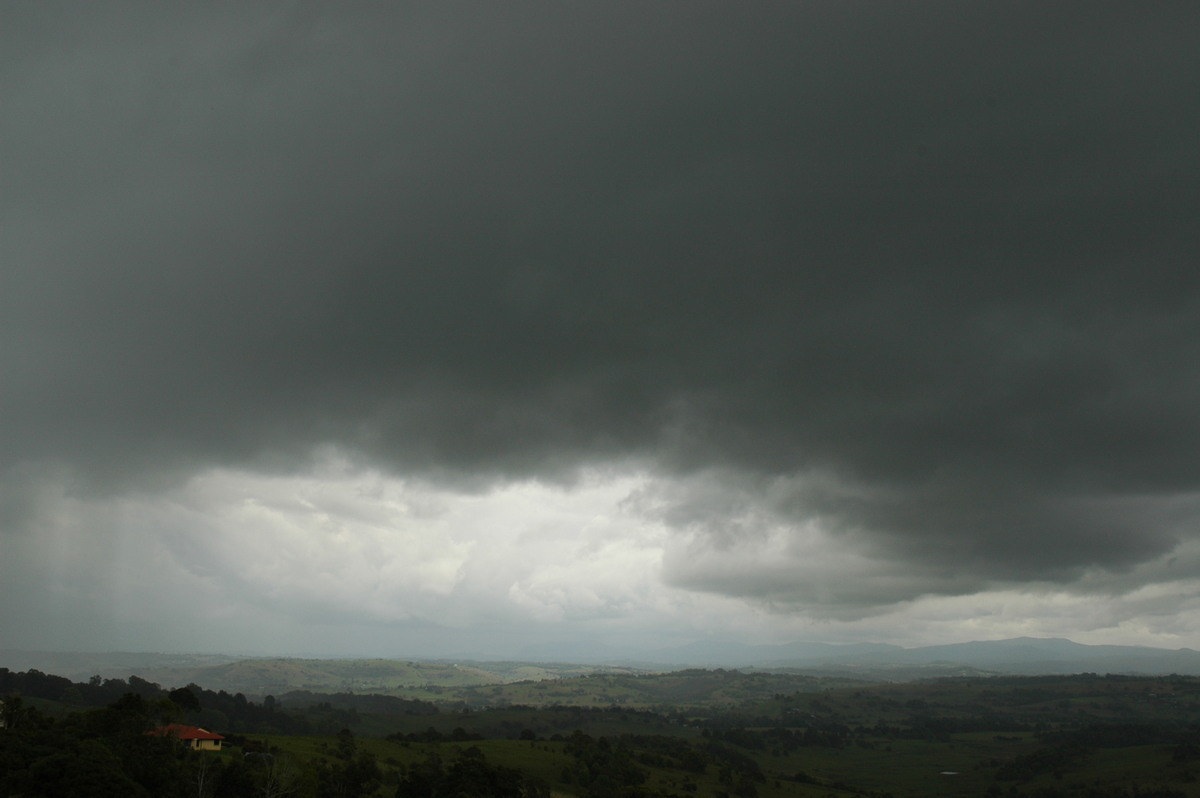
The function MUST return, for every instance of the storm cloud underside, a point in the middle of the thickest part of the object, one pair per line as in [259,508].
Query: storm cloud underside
[844,309]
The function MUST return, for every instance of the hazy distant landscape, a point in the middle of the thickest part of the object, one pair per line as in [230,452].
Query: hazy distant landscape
[965,720]
[259,676]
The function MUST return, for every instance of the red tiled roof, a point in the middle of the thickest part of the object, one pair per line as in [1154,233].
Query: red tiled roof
[185,732]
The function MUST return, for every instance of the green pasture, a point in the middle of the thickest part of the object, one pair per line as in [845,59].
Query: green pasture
[963,765]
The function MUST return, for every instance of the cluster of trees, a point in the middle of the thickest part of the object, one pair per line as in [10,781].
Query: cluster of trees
[373,703]
[778,739]
[468,774]
[602,768]
[938,728]
[1053,759]
[1123,735]
[432,735]
[1069,747]
[106,750]
[351,774]
[96,692]
[107,753]
[307,713]
[213,710]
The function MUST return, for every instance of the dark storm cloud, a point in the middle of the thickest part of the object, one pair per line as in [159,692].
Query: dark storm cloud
[944,253]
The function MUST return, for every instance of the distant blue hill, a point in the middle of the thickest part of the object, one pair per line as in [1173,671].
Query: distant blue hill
[726,654]
[1022,655]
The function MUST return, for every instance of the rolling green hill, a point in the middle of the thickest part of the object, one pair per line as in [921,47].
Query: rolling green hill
[437,680]
[273,676]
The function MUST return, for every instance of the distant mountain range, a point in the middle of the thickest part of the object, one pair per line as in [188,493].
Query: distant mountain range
[1022,655]
[1018,656]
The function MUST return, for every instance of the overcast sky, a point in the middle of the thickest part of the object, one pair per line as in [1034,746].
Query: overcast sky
[521,328]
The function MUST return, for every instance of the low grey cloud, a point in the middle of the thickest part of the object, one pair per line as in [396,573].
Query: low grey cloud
[912,287]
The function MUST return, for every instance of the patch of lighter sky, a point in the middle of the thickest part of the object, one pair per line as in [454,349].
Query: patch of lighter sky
[363,545]
[339,558]
[1040,611]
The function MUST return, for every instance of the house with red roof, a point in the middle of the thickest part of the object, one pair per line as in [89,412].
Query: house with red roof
[197,739]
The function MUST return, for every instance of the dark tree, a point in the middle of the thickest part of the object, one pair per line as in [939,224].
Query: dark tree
[185,699]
